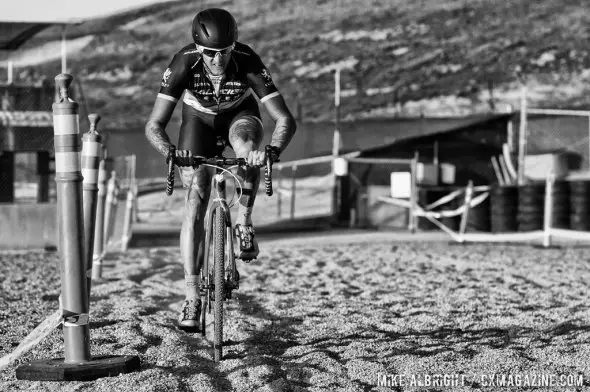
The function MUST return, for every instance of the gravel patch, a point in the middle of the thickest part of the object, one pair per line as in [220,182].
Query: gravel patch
[330,315]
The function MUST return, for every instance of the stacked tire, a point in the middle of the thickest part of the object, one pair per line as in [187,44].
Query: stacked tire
[478,218]
[561,205]
[503,209]
[531,203]
[579,205]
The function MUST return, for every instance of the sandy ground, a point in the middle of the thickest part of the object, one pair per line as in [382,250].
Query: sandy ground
[330,313]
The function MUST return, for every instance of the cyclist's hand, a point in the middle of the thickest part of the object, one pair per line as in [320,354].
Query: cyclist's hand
[184,157]
[256,158]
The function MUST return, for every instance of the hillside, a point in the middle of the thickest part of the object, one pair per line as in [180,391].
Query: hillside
[431,56]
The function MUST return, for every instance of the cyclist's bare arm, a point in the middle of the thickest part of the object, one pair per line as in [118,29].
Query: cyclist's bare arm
[156,125]
[285,124]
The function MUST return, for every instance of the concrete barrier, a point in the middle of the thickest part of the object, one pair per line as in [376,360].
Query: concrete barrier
[28,226]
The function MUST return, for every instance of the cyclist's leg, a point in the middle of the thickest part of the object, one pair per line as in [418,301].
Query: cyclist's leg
[195,135]
[245,135]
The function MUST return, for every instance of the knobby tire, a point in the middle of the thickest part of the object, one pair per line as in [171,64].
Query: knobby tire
[219,262]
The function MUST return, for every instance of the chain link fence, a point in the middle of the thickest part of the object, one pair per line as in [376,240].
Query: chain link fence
[26,141]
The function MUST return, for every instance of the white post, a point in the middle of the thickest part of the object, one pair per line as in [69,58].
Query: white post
[63,49]
[412,221]
[336,140]
[504,170]
[498,172]
[548,214]
[10,74]
[510,135]
[467,205]
[293,189]
[435,154]
[522,134]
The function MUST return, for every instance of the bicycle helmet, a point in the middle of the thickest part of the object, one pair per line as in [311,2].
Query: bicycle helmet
[214,28]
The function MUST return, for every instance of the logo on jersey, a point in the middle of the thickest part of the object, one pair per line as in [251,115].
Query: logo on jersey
[165,77]
[266,76]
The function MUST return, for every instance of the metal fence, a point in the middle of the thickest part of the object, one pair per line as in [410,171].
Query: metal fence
[26,97]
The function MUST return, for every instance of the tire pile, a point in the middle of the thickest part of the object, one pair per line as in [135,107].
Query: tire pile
[531,203]
[522,208]
[561,205]
[579,205]
[478,218]
[503,209]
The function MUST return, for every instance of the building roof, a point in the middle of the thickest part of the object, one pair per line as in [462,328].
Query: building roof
[13,34]
[429,127]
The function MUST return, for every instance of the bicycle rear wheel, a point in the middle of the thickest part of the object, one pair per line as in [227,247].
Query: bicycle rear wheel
[219,279]
[204,310]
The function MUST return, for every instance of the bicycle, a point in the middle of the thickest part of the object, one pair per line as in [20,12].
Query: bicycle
[218,279]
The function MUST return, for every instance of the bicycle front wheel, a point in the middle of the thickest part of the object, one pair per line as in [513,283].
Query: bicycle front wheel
[219,279]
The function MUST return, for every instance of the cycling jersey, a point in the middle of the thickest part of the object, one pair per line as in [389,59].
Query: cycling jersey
[244,73]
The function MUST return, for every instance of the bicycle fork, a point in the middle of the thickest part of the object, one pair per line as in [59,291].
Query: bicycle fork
[231,273]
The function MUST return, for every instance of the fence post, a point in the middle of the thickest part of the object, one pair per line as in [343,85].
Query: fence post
[341,207]
[548,213]
[467,205]
[413,194]
[522,133]
[293,188]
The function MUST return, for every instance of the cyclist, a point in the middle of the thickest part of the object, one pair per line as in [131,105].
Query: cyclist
[217,75]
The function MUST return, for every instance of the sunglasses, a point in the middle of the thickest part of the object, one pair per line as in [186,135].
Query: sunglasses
[213,52]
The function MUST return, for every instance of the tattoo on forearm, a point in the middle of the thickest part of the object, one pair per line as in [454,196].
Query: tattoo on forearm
[157,138]
[284,131]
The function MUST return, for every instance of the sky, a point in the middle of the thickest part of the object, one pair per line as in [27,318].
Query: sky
[64,10]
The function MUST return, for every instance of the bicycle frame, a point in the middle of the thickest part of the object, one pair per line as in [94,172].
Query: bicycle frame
[218,185]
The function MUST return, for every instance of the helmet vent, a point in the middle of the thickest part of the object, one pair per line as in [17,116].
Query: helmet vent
[205,30]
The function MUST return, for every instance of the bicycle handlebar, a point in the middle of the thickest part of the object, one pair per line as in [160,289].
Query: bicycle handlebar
[196,161]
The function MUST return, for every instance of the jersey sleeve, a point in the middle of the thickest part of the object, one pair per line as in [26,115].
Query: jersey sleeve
[260,80]
[174,80]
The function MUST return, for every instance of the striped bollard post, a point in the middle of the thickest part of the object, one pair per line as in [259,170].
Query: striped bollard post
[68,177]
[99,227]
[128,219]
[77,365]
[110,208]
[91,154]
